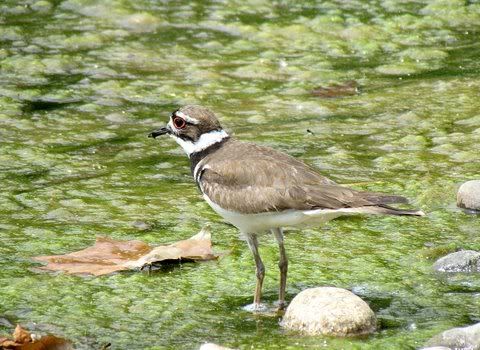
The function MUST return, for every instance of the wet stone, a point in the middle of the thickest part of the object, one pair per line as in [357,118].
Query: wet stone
[468,195]
[462,338]
[329,311]
[462,261]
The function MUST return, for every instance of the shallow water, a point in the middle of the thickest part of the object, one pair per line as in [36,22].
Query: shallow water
[82,82]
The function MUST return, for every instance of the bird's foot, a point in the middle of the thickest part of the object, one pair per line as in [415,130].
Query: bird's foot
[281,306]
[147,266]
[256,308]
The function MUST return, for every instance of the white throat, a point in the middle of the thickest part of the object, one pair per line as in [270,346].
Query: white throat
[205,141]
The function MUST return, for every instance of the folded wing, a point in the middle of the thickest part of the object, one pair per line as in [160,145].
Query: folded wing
[261,180]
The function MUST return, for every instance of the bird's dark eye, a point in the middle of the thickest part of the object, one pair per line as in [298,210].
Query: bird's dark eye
[179,122]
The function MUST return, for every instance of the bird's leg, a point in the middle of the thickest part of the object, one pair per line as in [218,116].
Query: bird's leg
[260,268]
[283,265]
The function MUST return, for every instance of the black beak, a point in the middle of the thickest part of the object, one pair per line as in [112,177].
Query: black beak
[159,132]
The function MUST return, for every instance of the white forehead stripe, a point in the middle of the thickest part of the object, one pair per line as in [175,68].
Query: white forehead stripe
[205,141]
[187,118]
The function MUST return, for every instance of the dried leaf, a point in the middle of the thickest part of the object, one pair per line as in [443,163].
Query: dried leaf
[48,342]
[9,344]
[108,255]
[22,340]
[348,88]
[196,248]
[21,335]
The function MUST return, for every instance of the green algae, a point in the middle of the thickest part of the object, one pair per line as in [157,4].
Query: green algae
[82,82]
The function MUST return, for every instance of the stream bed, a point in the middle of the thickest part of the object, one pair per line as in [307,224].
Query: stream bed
[396,110]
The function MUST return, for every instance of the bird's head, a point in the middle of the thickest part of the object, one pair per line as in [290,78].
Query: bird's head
[195,128]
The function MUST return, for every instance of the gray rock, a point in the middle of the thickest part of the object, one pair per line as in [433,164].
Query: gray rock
[436,348]
[462,338]
[329,311]
[468,195]
[462,261]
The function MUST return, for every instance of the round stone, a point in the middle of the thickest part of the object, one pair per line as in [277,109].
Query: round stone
[457,338]
[462,261]
[468,195]
[329,311]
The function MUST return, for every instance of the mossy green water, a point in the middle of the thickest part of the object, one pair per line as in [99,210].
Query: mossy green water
[82,82]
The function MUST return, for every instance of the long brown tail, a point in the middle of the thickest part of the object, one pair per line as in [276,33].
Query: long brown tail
[386,209]
[382,198]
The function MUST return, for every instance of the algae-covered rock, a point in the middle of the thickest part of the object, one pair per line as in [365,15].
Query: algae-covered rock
[139,22]
[212,346]
[462,338]
[42,6]
[473,121]
[10,33]
[26,65]
[60,214]
[423,54]
[462,261]
[82,42]
[397,69]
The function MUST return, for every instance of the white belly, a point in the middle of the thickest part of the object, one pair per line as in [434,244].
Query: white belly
[256,223]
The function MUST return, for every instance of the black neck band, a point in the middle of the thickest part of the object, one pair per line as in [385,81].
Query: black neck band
[196,157]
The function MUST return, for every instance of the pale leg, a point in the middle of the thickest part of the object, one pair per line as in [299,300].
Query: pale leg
[260,268]
[283,265]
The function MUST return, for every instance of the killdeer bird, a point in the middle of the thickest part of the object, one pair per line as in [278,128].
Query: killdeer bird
[259,189]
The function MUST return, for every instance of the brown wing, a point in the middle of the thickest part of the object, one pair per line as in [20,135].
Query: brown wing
[260,179]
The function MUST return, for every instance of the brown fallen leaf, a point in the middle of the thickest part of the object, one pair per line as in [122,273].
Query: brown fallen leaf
[48,342]
[348,88]
[22,340]
[21,335]
[108,255]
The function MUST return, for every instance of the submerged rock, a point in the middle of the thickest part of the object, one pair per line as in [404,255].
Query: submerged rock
[329,311]
[211,346]
[462,338]
[468,195]
[61,214]
[139,22]
[42,6]
[462,261]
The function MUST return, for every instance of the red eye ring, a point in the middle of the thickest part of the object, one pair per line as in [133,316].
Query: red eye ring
[179,123]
